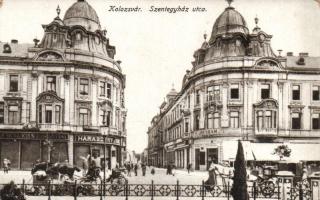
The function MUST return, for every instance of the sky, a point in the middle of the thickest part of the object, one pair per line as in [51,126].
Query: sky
[157,48]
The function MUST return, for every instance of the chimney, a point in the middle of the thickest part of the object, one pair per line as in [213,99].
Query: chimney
[14,41]
[304,54]
[289,53]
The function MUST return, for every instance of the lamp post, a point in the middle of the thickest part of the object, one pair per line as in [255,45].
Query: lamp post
[104,166]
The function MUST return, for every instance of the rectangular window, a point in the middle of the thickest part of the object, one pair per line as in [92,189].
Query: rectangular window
[188,99]
[265,91]
[234,119]
[40,114]
[13,115]
[197,122]
[216,120]
[216,93]
[109,90]
[316,121]
[296,120]
[186,126]
[51,83]
[83,117]
[268,119]
[48,114]
[28,112]
[234,91]
[209,120]
[296,92]
[1,113]
[210,93]
[58,114]
[260,120]
[102,88]
[84,86]
[14,80]
[197,97]
[316,93]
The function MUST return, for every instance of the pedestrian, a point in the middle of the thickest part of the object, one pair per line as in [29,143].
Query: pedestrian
[173,171]
[189,167]
[153,171]
[136,169]
[6,165]
[143,168]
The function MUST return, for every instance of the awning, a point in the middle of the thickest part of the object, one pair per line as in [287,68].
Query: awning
[264,151]
[299,152]
[230,150]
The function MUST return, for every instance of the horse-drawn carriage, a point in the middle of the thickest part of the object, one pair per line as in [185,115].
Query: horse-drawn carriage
[64,177]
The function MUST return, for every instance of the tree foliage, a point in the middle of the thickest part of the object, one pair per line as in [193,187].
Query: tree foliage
[239,188]
[282,151]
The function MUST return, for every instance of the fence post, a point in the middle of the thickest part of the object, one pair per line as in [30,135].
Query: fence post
[75,190]
[49,190]
[177,190]
[254,190]
[23,186]
[127,190]
[228,190]
[202,190]
[279,190]
[300,192]
[101,191]
[152,189]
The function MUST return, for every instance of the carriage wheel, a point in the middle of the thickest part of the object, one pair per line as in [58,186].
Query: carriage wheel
[267,188]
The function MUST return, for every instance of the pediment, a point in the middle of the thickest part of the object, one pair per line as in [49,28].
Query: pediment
[49,97]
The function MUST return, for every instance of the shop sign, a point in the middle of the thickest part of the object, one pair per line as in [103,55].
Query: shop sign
[205,133]
[97,139]
[33,136]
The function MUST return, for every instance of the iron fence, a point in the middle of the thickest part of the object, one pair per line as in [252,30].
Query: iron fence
[202,191]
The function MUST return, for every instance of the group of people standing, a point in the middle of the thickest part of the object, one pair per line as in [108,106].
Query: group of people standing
[134,167]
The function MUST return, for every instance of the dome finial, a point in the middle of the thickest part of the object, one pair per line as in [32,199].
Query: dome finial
[229,2]
[58,10]
[205,36]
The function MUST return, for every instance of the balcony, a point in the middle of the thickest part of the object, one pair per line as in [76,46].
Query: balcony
[266,132]
[300,133]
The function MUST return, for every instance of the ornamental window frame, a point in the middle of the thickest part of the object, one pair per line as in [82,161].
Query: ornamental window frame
[14,84]
[296,92]
[315,91]
[234,91]
[234,121]
[51,85]
[265,90]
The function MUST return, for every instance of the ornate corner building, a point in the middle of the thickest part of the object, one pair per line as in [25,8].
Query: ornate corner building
[62,98]
[238,88]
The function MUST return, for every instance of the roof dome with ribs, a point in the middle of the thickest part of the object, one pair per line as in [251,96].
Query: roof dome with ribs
[81,13]
[229,22]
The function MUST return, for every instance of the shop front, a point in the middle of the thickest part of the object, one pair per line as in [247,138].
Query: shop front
[23,149]
[102,146]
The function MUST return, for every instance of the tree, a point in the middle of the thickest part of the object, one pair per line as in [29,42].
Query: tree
[282,151]
[239,188]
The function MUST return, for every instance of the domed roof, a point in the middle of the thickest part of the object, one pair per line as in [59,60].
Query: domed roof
[81,13]
[230,21]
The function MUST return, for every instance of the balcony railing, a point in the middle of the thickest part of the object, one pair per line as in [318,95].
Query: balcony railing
[267,132]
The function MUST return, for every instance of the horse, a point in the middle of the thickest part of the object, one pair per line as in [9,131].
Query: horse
[43,166]
[62,169]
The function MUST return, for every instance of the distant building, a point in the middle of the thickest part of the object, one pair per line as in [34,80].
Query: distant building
[62,97]
[239,88]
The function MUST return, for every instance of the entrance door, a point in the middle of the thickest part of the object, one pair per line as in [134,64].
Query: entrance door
[10,150]
[212,156]
[30,152]
[197,159]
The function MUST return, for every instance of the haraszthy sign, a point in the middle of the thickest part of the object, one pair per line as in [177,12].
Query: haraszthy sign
[35,136]
[96,139]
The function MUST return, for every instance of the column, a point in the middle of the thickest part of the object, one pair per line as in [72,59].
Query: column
[34,92]
[70,149]
[66,96]
[94,102]
[224,113]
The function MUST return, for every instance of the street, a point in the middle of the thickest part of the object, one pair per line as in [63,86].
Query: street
[160,177]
